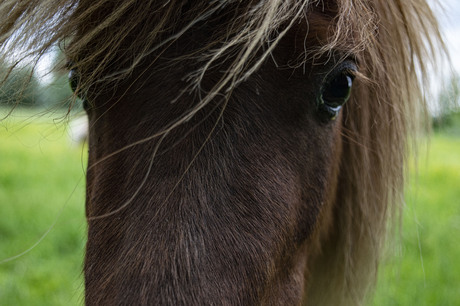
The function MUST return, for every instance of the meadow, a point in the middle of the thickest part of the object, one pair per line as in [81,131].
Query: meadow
[41,184]
[42,192]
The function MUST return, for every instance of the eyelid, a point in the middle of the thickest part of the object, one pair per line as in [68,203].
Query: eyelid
[348,66]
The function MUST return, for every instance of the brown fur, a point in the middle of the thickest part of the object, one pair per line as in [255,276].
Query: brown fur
[210,179]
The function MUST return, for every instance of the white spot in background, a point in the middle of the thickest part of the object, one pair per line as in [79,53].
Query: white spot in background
[78,130]
[448,14]
[43,69]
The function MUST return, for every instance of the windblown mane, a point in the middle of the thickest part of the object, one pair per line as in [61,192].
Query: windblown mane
[391,40]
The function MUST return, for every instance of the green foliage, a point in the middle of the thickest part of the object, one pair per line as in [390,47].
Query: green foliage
[23,88]
[449,107]
[20,88]
[57,94]
[450,126]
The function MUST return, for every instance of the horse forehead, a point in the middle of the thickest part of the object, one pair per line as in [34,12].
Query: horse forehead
[314,27]
[314,37]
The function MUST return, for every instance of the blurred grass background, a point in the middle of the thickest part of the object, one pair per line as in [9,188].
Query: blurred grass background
[423,266]
[42,175]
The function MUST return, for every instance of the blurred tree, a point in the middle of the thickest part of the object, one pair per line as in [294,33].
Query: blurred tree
[449,106]
[57,92]
[20,88]
[26,88]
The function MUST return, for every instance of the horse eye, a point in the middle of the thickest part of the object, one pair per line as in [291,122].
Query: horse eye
[74,82]
[336,91]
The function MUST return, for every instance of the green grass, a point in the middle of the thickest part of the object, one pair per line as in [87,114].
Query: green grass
[426,268]
[42,174]
[39,171]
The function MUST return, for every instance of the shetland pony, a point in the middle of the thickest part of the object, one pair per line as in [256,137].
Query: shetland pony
[240,152]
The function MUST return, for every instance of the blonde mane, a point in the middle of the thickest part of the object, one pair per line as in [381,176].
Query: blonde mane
[391,40]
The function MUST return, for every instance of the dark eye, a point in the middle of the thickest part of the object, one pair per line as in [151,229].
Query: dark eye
[74,82]
[336,90]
